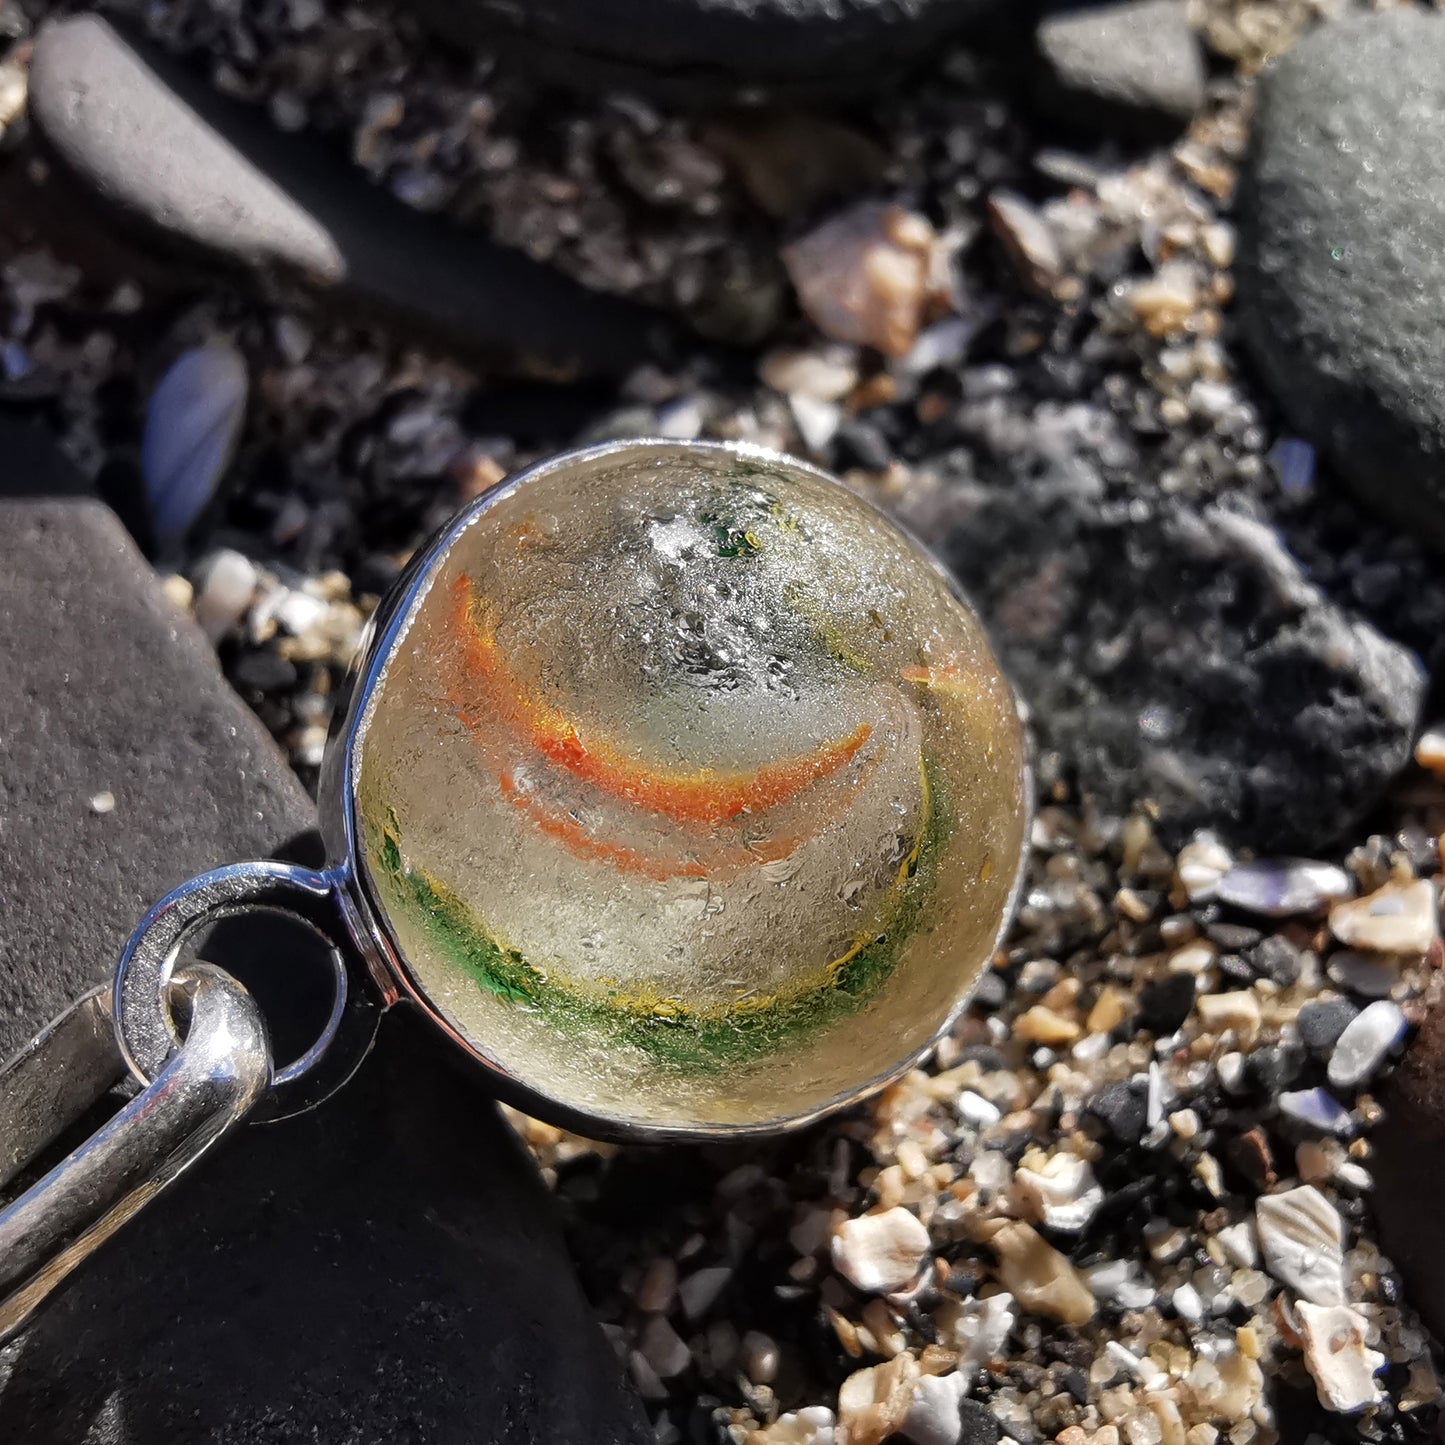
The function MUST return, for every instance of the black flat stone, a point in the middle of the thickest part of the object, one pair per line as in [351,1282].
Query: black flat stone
[172,164]
[386,1269]
[702,51]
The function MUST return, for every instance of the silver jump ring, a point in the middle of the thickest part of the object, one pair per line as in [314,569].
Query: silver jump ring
[145,1030]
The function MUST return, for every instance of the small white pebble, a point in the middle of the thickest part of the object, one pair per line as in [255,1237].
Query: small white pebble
[975,1109]
[1188,1304]
[103,802]
[1239,1244]
[880,1253]
[1365,1043]
[663,1348]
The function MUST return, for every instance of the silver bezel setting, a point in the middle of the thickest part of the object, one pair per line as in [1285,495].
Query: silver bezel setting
[366,917]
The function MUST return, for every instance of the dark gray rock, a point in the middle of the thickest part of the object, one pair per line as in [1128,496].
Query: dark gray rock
[385,1269]
[171,163]
[1322,1021]
[695,51]
[1164,1003]
[1183,657]
[1342,277]
[1137,65]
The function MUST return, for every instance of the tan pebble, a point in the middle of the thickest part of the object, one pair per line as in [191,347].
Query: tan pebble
[1202,1434]
[1042,1025]
[1110,1009]
[1164,303]
[863,275]
[1247,1338]
[179,592]
[887,1337]
[1185,1123]
[1137,910]
[846,1331]
[1209,1174]
[1036,1274]
[656,1289]
[1217,241]
[1063,995]
[1072,1435]
[880,1253]
[1398,918]
[1429,751]
[912,1160]
[1171,1424]
[873,1403]
[1196,956]
[1238,1011]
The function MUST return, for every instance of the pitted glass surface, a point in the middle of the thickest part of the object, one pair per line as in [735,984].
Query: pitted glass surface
[690,792]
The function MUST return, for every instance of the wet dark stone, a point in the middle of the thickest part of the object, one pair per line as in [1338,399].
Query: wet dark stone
[138,140]
[980,1427]
[991,990]
[1178,653]
[1322,1021]
[1164,1003]
[1275,958]
[1275,1067]
[1233,937]
[1122,1109]
[1250,1156]
[385,1269]
[1340,273]
[703,51]
[1135,66]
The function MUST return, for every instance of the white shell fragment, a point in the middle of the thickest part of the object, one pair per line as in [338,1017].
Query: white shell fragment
[1202,863]
[1283,887]
[880,1253]
[1061,1193]
[933,1417]
[1398,918]
[813,1426]
[1337,1356]
[1365,1043]
[1303,1239]
[192,424]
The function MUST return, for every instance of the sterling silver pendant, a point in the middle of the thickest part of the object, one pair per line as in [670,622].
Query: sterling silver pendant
[677,786]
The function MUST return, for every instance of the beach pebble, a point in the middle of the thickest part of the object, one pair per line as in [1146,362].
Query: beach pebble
[1343,1366]
[1321,1021]
[1398,918]
[880,1253]
[873,1403]
[1282,887]
[1364,1044]
[1202,864]
[1133,64]
[864,275]
[1302,1239]
[1238,1243]
[827,373]
[225,584]
[1061,1193]
[1036,1274]
[699,1291]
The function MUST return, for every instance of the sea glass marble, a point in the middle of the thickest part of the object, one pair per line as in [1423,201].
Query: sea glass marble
[689,790]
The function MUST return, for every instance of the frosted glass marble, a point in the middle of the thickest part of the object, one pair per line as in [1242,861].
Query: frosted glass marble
[690,792]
